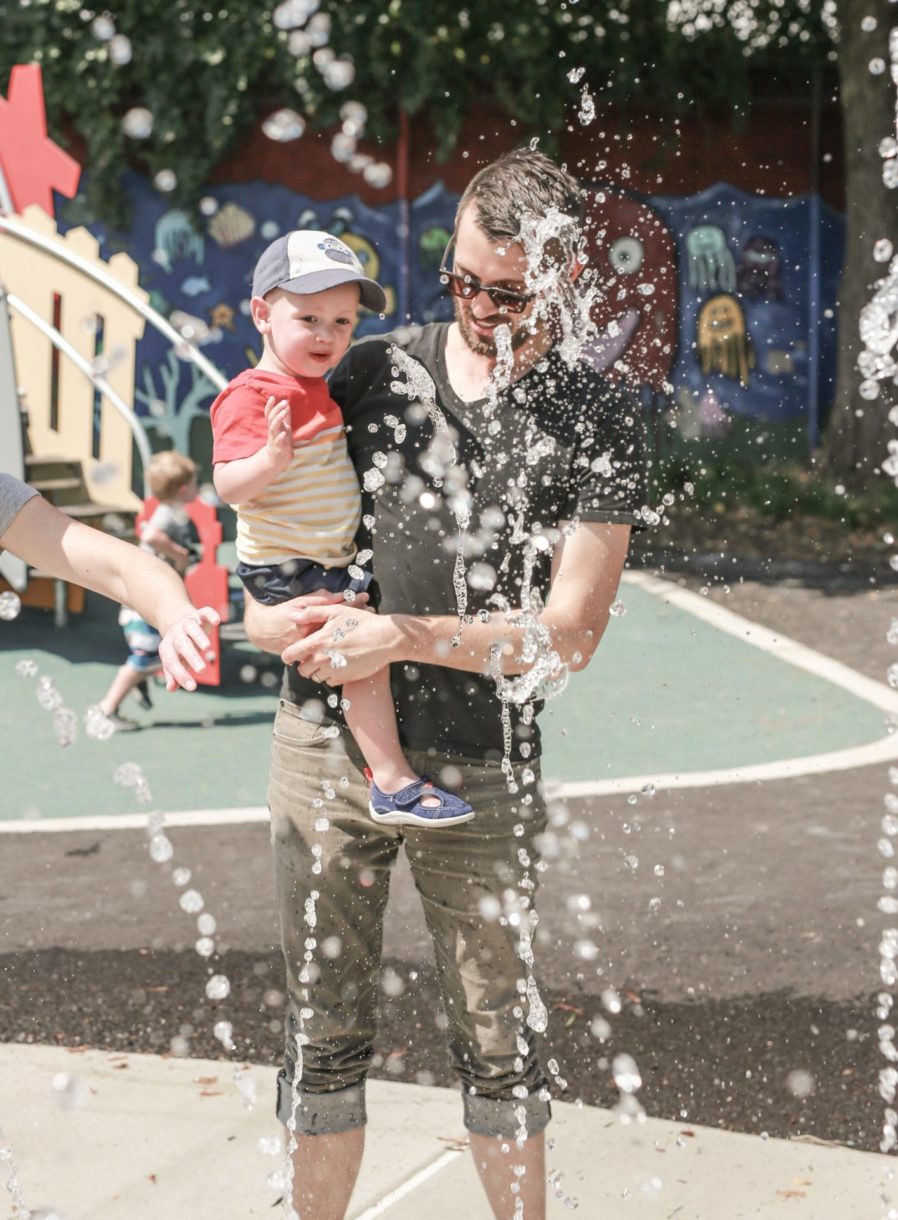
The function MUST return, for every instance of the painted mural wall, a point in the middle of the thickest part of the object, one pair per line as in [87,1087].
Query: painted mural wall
[719,308]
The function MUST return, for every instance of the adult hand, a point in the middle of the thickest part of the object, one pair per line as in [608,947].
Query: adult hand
[185,647]
[367,643]
[275,628]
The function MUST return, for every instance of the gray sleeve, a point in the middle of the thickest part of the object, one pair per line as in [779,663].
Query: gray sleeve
[13,496]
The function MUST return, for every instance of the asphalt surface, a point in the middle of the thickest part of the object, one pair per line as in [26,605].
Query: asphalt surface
[752,956]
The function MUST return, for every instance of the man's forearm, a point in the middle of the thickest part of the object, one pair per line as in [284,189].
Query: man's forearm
[481,646]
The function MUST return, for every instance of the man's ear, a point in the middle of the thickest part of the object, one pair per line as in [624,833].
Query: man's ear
[260,311]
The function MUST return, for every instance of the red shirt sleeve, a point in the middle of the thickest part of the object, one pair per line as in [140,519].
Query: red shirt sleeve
[238,422]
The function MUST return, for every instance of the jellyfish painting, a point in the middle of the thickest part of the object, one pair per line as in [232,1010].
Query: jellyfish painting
[722,339]
[759,274]
[711,265]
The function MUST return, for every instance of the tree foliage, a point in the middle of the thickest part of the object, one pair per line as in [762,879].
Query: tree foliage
[209,74]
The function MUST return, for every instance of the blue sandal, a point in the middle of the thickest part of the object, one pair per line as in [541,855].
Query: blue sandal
[406,808]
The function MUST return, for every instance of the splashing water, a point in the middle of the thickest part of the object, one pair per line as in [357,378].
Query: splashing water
[440,461]
[310,918]
[877,363]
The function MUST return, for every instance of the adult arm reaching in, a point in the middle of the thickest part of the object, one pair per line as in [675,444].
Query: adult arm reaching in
[48,540]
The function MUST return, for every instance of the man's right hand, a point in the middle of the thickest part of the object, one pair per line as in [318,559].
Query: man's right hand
[272,629]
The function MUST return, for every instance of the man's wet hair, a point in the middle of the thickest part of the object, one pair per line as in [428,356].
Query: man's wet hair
[522,184]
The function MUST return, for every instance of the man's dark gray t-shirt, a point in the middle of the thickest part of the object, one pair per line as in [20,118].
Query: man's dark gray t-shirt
[561,444]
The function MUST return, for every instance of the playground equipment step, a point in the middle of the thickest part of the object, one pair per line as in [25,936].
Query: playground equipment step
[61,484]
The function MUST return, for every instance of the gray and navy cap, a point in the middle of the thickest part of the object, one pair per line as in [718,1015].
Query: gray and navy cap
[309,261]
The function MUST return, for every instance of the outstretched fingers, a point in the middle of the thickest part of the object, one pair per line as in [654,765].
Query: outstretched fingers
[185,648]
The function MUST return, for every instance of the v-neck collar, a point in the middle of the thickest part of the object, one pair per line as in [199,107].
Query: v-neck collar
[451,399]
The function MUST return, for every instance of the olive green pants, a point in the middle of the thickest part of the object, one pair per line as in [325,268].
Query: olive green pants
[477,884]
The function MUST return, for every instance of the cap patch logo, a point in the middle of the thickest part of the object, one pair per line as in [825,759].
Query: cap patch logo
[336,250]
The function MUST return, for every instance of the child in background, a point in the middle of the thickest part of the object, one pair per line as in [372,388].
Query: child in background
[172,536]
[280,459]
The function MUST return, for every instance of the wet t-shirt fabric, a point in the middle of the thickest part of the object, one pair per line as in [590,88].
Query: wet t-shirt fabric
[558,445]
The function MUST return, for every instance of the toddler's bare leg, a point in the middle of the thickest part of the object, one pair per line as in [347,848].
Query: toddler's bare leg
[125,680]
[371,717]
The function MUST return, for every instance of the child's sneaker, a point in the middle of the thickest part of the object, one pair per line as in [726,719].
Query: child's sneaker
[406,807]
[122,724]
[142,694]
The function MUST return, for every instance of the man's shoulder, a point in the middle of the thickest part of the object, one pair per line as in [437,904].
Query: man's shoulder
[411,338]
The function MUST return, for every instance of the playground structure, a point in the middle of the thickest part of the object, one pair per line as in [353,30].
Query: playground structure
[69,325]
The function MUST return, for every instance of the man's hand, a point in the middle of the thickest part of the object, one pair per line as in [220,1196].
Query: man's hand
[367,642]
[185,647]
[275,628]
[280,433]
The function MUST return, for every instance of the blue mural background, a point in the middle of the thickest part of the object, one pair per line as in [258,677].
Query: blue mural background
[757,285]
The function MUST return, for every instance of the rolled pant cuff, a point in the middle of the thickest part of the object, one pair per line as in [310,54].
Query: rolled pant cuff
[508,1119]
[321,1113]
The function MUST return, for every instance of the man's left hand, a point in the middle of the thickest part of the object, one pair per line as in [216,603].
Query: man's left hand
[367,642]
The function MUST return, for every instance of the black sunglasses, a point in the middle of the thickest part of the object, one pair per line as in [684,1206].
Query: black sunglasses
[468,286]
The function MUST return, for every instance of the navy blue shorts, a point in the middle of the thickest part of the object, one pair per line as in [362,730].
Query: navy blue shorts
[271,584]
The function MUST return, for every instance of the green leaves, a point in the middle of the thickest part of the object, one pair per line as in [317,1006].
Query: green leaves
[208,74]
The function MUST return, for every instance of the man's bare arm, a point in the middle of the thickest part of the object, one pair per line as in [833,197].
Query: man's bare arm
[586,571]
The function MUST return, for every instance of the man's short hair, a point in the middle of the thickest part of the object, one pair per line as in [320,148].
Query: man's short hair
[168,472]
[519,186]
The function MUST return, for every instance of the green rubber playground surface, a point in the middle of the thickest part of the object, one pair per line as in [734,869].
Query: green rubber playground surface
[666,692]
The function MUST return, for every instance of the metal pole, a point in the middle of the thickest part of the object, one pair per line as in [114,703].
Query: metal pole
[58,341]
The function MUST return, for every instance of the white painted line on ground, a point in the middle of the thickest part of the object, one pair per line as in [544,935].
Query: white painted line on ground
[417,1179]
[137,821]
[783,648]
[881,751]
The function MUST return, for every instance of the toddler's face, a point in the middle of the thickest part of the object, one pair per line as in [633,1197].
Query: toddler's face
[306,335]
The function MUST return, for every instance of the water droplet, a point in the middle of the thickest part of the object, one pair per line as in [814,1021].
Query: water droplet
[71,1093]
[191,901]
[877,66]
[800,1083]
[617,609]
[626,1073]
[166,180]
[284,125]
[223,1031]
[611,1000]
[218,987]
[138,123]
[600,1028]
[10,605]
[120,50]
[160,848]
[883,250]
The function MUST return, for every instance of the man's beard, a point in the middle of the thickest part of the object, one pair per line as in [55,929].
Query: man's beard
[487,347]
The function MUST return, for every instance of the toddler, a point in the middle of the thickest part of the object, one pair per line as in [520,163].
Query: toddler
[280,459]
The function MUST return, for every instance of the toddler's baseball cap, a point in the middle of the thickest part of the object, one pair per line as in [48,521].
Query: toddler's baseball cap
[309,261]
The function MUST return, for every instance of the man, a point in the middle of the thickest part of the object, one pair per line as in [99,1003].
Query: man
[499,470]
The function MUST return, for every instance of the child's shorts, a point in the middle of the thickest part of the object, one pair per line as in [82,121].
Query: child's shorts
[271,584]
[143,645]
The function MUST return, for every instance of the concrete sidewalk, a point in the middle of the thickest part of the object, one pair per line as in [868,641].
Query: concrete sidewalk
[171,1139]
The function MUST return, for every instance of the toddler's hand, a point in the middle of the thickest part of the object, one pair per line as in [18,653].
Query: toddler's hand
[280,432]
[183,646]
